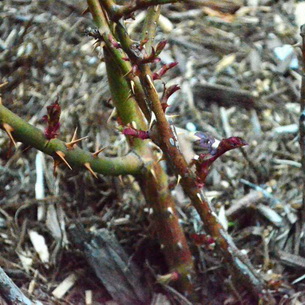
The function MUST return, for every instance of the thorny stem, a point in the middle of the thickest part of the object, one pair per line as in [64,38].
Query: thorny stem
[76,157]
[124,66]
[153,180]
[240,266]
[150,26]
[163,135]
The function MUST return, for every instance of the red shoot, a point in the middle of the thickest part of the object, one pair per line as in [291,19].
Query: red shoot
[160,46]
[168,92]
[163,70]
[140,134]
[203,165]
[52,119]
[152,58]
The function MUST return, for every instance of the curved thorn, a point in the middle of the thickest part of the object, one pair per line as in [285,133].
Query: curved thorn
[9,129]
[61,155]
[132,85]
[3,84]
[88,167]
[161,158]
[153,173]
[152,119]
[134,125]
[74,140]
[96,153]
[113,113]
[178,179]
[74,137]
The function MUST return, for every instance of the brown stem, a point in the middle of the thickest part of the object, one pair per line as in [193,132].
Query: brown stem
[166,224]
[162,134]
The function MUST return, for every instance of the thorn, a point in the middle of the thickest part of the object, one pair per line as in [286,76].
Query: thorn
[26,149]
[121,179]
[61,155]
[172,116]
[88,167]
[162,158]
[113,113]
[128,73]
[131,85]
[150,83]
[85,11]
[72,143]
[199,196]
[170,211]
[74,134]
[74,140]
[9,129]
[3,84]
[134,125]
[179,245]
[178,179]
[96,153]
[153,173]
[152,119]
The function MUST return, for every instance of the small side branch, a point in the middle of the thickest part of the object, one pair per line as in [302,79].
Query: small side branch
[76,157]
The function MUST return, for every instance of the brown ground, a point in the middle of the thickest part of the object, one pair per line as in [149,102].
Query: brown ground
[44,54]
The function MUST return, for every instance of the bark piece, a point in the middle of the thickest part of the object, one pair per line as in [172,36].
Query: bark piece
[121,277]
[10,292]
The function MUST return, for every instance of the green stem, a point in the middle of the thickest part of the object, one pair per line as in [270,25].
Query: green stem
[124,66]
[76,157]
[150,26]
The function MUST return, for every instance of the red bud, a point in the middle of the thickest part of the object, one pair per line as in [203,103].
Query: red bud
[52,119]
[160,46]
